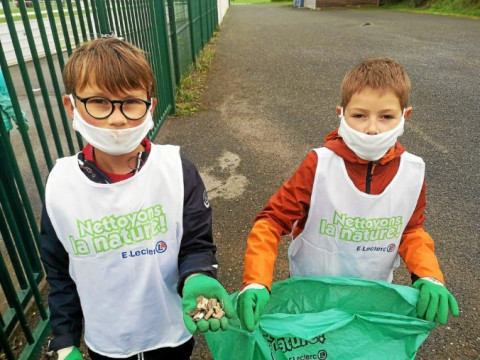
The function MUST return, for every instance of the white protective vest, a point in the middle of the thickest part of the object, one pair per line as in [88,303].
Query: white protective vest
[123,241]
[350,233]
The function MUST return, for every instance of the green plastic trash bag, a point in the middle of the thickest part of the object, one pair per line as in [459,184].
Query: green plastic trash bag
[328,318]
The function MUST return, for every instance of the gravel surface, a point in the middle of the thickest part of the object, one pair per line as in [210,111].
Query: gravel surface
[271,97]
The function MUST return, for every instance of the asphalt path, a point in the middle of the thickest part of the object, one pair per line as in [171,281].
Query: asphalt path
[271,97]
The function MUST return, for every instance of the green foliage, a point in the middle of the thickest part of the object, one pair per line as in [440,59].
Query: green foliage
[448,7]
[259,1]
[190,90]
[455,5]
[417,3]
[31,15]
[404,3]
[249,1]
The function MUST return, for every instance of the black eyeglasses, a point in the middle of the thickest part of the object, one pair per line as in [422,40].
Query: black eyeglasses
[101,108]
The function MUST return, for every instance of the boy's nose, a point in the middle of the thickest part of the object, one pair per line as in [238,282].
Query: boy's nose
[117,118]
[372,128]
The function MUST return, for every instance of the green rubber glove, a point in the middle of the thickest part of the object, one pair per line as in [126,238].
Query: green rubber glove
[434,301]
[75,354]
[250,306]
[70,353]
[210,288]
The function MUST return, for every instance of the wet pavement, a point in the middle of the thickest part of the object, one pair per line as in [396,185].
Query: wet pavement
[271,97]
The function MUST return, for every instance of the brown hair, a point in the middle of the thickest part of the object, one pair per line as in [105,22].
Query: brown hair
[111,64]
[381,73]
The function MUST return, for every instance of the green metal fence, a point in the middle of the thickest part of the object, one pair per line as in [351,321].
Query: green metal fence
[36,38]
[192,23]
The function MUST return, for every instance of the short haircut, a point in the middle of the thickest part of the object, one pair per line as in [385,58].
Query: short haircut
[111,64]
[382,73]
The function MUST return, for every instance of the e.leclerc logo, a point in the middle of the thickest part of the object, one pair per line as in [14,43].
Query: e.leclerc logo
[160,247]
[388,248]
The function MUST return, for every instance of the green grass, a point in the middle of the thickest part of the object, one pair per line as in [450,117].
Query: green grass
[438,9]
[192,86]
[31,13]
[258,2]
[233,2]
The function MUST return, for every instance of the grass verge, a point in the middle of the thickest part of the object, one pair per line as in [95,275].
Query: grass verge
[260,2]
[192,86]
[471,13]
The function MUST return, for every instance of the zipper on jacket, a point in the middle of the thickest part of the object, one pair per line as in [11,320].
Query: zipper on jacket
[368,180]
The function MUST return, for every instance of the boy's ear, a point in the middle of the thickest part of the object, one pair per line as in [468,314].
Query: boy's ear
[67,104]
[339,110]
[408,112]
[154,103]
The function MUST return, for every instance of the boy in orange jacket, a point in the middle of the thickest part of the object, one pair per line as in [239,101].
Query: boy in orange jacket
[354,205]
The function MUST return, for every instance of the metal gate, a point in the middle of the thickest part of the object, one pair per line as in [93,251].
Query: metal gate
[36,38]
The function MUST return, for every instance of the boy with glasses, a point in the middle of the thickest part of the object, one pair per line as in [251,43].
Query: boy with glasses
[126,226]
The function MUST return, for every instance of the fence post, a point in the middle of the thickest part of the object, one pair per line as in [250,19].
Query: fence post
[102,17]
[39,71]
[192,39]
[58,48]
[162,44]
[173,36]
[202,22]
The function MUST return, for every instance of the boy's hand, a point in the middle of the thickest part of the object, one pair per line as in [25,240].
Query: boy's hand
[70,353]
[434,301]
[209,288]
[251,304]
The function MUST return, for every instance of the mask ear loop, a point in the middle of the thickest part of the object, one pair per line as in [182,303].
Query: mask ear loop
[150,107]
[341,112]
[72,100]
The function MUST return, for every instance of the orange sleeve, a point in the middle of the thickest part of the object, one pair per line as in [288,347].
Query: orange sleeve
[287,209]
[417,248]
[262,250]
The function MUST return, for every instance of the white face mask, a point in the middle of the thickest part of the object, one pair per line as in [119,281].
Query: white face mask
[370,147]
[112,141]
